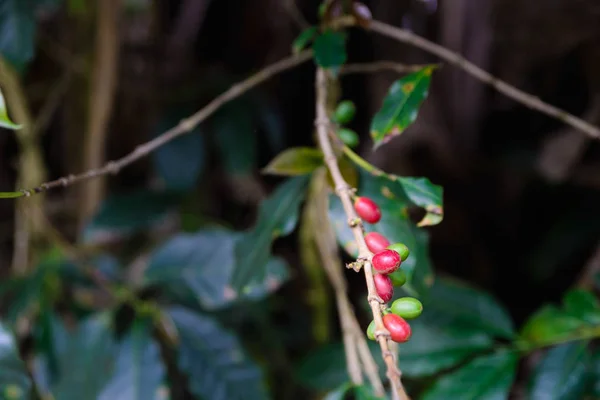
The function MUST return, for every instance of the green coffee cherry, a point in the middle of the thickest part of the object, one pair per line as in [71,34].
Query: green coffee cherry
[398,277]
[401,249]
[407,307]
[349,137]
[345,112]
[371,330]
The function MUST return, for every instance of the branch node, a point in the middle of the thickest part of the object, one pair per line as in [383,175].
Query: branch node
[386,334]
[354,222]
[374,297]
[112,167]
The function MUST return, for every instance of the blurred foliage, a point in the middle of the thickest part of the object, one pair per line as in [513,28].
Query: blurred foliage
[163,298]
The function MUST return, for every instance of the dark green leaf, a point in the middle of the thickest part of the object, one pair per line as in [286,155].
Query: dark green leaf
[435,346]
[465,307]
[550,324]
[420,191]
[401,105]
[594,371]
[325,367]
[305,37]
[203,263]
[330,49]
[582,304]
[366,393]
[17,33]
[125,214]
[87,362]
[5,122]
[395,225]
[485,378]
[216,364]
[139,371]
[562,373]
[234,132]
[14,380]
[52,339]
[340,392]
[278,216]
[179,162]
[295,161]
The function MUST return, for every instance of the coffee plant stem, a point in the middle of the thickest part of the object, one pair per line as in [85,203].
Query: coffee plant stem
[344,191]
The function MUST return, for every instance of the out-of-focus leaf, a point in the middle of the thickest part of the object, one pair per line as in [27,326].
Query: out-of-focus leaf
[14,380]
[216,364]
[340,392]
[562,373]
[364,392]
[125,214]
[401,105]
[464,307]
[234,132]
[330,49]
[295,161]
[139,371]
[203,263]
[436,345]
[304,38]
[484,378]
[325,367]
[180,162]
[278,216]
[582,304]
[420,191]
[395,225]
[549,324]
[594,372]
[17,33]
[51,341]
[5,121]
[87,362]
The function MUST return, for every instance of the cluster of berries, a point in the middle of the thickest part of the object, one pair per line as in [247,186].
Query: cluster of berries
[386,263]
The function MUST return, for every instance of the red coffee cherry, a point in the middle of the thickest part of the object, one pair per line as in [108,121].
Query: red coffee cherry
[399,329]
[386,261]
[376,242]
[367,210]
[384,287]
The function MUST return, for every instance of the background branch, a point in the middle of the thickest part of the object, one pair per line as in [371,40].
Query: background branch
[456,59]
[102,93]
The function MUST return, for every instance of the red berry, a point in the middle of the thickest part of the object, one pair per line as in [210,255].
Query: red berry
[376,242]
[386,261]
[399,329]
[367,210]
[384,287]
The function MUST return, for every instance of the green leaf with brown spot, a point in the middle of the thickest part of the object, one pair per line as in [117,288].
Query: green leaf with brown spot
[400,107]
[14,380]
[295,161]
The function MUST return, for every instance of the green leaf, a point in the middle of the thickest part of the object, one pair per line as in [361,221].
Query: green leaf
[330,49]
[234,132]
[213,359]
[180,162]
[401,105]
[562,374]
[436,345]
[550,324]
[340,392]
[395,225]
[295,161]
[5,122]
[203,263]
[139,371]
[277,217]
[17,33]
[14,380]
[364,392]
[87,362]
[420,191]
[594,371]
[325,367]
[583,305]
[125,214]
[485,378]
[305,37]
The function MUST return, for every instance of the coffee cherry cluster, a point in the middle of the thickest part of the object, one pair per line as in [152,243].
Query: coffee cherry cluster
[386,262]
